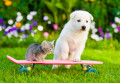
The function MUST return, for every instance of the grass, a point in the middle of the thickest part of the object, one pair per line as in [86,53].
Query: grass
[109,72]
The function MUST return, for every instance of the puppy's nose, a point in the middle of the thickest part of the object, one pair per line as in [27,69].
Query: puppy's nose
[83,27]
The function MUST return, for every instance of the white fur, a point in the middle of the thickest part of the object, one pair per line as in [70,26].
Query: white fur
[71,42]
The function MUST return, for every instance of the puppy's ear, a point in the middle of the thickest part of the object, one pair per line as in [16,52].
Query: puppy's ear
[91,17]
[73,14]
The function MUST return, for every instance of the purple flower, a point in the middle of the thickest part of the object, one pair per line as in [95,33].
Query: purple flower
[4,26]
[1,21]
[30,27]
[6,32]
[100,29]
[22,31]
[107,35]
[112,23]
[102,34]
[118,28]
[3,37]
[55,26]
[31,19]
[26,35]
[14,28]
[34,23]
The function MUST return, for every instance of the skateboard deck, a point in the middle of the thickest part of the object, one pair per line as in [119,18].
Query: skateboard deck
[55,62]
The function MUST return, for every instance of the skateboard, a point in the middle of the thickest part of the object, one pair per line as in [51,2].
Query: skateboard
[86,64]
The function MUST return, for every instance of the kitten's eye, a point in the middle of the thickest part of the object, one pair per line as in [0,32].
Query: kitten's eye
[78,20]
[86,21]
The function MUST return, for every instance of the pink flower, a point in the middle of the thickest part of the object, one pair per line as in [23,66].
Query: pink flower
[55,26]
[118,28]
[100,29]
[101,34]
[46,34]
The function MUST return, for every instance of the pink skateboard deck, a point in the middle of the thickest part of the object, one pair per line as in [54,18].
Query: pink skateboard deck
[55,62]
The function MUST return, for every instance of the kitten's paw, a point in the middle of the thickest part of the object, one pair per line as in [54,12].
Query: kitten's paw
[76,60]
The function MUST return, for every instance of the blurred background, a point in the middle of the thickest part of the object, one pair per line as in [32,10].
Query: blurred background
[23,22]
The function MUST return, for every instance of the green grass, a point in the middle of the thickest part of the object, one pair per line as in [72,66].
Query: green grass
[109,72]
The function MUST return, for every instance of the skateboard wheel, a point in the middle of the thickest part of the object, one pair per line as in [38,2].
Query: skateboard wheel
[29,68]
[84,69]
[20,67]
[23,69]
[92,70]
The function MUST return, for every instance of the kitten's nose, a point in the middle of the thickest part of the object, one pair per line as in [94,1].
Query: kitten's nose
[83,27]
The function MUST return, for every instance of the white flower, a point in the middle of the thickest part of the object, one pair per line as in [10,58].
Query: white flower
[27,26]
[22,28]
[40,28]
[32,34]
[9,35]
[94,30]
[19,18]
[14,25]
[10,22]
[21,39]
[114,25]
[117,20]
[101,38]
[29,17]
[118,13]
[0,28]
[33,13]
[19,13]
[35,31]
[45,18]
[15,33]
[49,22]
[7,29]
[92,26]
[95,37]
[116,30]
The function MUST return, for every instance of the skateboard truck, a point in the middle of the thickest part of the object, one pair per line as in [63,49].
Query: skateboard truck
[24,68]
[89,68]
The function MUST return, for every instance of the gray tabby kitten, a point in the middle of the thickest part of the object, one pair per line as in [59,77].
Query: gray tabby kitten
[37,52]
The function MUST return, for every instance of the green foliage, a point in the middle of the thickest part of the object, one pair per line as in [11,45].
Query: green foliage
[59,10]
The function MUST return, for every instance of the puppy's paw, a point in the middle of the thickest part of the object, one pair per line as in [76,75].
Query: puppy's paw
[55,66]
[76,60]
[64,58]
[67,66]
[39,60]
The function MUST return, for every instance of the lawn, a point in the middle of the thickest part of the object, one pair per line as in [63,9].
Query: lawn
[108,72]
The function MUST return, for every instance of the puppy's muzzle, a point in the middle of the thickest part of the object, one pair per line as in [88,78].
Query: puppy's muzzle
[83,27]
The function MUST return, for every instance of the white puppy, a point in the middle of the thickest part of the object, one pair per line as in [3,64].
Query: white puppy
[71,42]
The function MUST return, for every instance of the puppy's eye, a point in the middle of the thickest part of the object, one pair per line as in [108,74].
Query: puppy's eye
[86,21]
[78,20]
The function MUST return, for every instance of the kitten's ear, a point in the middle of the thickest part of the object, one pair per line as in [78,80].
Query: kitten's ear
[53,42]
[44,43]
